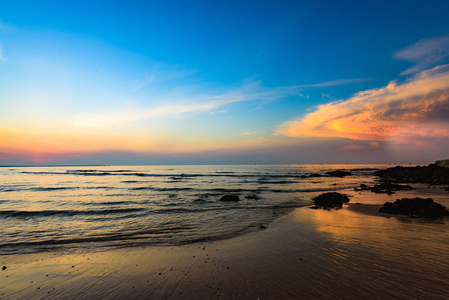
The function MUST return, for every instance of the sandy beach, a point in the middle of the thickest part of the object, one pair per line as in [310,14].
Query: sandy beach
[353,252]
[224,150]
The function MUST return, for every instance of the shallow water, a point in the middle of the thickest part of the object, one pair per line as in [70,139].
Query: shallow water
[47,208]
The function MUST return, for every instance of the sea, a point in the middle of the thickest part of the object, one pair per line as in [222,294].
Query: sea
[81,208]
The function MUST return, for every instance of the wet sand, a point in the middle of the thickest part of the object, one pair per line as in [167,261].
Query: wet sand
[353,252]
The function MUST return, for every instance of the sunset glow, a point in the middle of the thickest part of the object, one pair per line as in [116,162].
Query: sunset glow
[261,83]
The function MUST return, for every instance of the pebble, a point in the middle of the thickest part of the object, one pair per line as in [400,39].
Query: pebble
[4,268]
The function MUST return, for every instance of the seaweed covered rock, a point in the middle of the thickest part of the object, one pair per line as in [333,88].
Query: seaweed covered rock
[230,198]
[416,207]
[329,200]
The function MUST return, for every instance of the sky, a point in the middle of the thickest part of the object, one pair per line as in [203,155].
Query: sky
[223,82]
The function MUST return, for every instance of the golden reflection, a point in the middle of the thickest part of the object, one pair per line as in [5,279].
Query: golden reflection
[387,235]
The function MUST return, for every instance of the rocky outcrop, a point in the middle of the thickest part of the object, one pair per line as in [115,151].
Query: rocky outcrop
[330,200]
[431,174]
[230,198]
[384,187]
[338,173]
[416,207]
[442,163]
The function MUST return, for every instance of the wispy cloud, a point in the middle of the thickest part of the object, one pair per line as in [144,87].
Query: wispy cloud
[335,82]
[412,112]
[5,27]
[162,74]
[198,103]
[425,53]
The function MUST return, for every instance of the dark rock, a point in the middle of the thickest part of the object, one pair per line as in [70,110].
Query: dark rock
[230,198]
[389,188]
[262,227]
[252,196]
[363,187]
[329,200]
[431,174]
[4,268]
[313,207]
[416,207]
[338,173]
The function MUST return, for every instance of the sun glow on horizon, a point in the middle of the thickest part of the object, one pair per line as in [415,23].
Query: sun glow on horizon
[245,84]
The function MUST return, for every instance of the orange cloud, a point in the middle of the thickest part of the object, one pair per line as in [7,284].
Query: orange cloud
[414,111]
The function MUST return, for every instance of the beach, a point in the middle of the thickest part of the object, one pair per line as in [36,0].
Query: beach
[353,252]
[166,233]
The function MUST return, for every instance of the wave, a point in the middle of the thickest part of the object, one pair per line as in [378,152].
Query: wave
[177,176]
[99,171]
[141,234]
[66,213]
[46,189]
[113,203]
[161,189]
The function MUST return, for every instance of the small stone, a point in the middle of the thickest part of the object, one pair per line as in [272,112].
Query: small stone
[4,268]
[230,198]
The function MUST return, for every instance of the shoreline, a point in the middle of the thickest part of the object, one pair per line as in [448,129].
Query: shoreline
[312,254]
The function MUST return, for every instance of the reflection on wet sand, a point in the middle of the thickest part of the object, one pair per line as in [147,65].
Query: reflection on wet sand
[309,254]
[397,255]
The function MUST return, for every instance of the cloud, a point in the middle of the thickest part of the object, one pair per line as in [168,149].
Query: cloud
[415,112]
[163,75]
[181,105]
[5,27]
[425,53]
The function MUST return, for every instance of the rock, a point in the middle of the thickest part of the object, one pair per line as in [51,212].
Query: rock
[363,187]
[199,200]
[442,163]
[389,188]
[431,174]
[329,200]
[252,196]
[4,268]
[262,227]
[416,207]
[230,198]
[338,173]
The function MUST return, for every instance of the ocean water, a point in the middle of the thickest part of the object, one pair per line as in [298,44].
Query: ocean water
[75,208]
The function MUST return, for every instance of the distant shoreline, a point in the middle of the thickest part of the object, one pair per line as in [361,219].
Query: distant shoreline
[136,165]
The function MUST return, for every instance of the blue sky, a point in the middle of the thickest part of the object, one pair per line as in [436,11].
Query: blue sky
[219,81]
